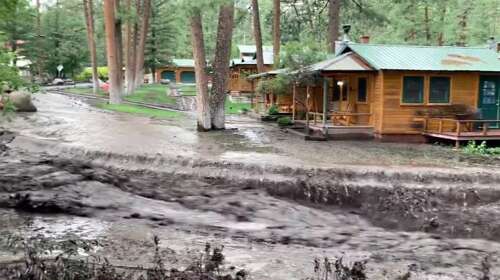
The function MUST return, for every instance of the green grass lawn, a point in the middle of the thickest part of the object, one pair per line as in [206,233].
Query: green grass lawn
[139,110]
[235,108]
[155,93]
[85,91]
[188,90]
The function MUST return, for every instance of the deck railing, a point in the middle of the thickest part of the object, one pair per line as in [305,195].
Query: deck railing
[340,118]
[459,127]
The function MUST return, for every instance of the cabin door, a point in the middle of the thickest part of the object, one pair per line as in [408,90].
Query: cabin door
[489,98]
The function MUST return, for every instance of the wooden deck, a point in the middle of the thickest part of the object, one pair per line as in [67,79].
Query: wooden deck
[466,136]
[462,130]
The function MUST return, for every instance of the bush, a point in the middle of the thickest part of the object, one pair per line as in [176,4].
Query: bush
[86,74]
[285,121]
[482,150]
[273,110]
[263,87]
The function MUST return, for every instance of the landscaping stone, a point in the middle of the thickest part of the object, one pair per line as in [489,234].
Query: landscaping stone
[22,101]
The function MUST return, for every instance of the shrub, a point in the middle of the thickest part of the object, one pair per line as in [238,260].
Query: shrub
[263,87]
[482,150]
[285,121]
[86,74]
[273,110]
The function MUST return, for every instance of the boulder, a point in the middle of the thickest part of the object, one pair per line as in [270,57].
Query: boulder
[22,101]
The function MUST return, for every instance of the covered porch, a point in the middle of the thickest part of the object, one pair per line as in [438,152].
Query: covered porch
[340,102]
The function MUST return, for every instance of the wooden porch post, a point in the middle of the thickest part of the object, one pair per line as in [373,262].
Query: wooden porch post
[325,105]
[293,101]
[307,110]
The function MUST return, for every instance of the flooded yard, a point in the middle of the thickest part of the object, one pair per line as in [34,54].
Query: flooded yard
[274,201]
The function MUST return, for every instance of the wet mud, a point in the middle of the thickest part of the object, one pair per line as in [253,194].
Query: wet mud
[440,223]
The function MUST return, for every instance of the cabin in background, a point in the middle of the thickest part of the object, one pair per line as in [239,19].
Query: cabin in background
[403,93]
[179,71]
[245,66]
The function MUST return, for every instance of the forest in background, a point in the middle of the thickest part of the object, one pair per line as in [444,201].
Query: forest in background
[57,34]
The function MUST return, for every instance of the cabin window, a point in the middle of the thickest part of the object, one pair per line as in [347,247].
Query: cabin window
[362,93]
[439,90]
[413,90]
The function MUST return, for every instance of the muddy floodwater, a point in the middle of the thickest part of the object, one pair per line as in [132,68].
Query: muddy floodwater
[274,201]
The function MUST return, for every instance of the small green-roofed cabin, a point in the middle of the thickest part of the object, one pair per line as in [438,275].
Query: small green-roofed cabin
[401,92]
[179,71]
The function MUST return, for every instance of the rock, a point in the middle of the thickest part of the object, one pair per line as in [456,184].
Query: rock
[22,101]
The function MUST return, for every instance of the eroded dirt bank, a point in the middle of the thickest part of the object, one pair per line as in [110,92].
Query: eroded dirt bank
[437,222]
[272,200]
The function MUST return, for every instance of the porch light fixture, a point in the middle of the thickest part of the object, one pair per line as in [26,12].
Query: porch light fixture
[340,83]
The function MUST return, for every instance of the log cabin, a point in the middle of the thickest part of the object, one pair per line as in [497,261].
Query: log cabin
[179,71]
[245,66]
[402,93]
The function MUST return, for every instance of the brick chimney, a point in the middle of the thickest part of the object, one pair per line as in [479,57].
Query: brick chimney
[365,39]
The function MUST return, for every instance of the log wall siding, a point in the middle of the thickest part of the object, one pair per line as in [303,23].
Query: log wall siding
[397,118]
[238,77]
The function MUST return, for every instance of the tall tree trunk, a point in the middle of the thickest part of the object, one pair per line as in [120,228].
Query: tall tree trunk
[143,35]
[440,36]
[276,33]
[333,23]
[38,37]
[88,7]
[463,24]
[202,97]
[114,51]
[221,65]
[427,25]
[130,51]
[258,35]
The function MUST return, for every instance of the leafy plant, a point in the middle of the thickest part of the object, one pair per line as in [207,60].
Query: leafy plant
[482,149]
[285,121]
[273,110]
[263,87]
[70,264]
[86,74]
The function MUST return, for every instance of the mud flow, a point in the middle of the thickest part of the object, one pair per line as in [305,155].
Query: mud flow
[241,189]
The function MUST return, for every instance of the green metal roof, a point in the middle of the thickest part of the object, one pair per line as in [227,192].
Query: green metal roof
[181,62]
[426,58]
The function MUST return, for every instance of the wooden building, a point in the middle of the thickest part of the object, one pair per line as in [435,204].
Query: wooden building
[404,93]
[245,66]
[179,71]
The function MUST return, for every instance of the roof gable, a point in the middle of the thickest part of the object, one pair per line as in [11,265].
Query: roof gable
[346,62]
[426,58]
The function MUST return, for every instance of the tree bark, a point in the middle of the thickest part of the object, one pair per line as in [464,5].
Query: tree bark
[427,25]
[221,65]
[143,35]
[114,51]
[276,33]
[333,23]
[88,7]
[202,97]
[258,36]
[129,52]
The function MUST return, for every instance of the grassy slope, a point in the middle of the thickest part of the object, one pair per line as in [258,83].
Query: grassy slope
[139,110]
[235,108]
[151,94]
[157,94]
[188,90]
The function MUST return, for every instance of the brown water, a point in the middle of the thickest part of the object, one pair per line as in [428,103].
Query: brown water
[122,179]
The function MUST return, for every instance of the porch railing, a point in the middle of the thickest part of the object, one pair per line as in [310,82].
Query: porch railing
[339,118]
[461,127]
